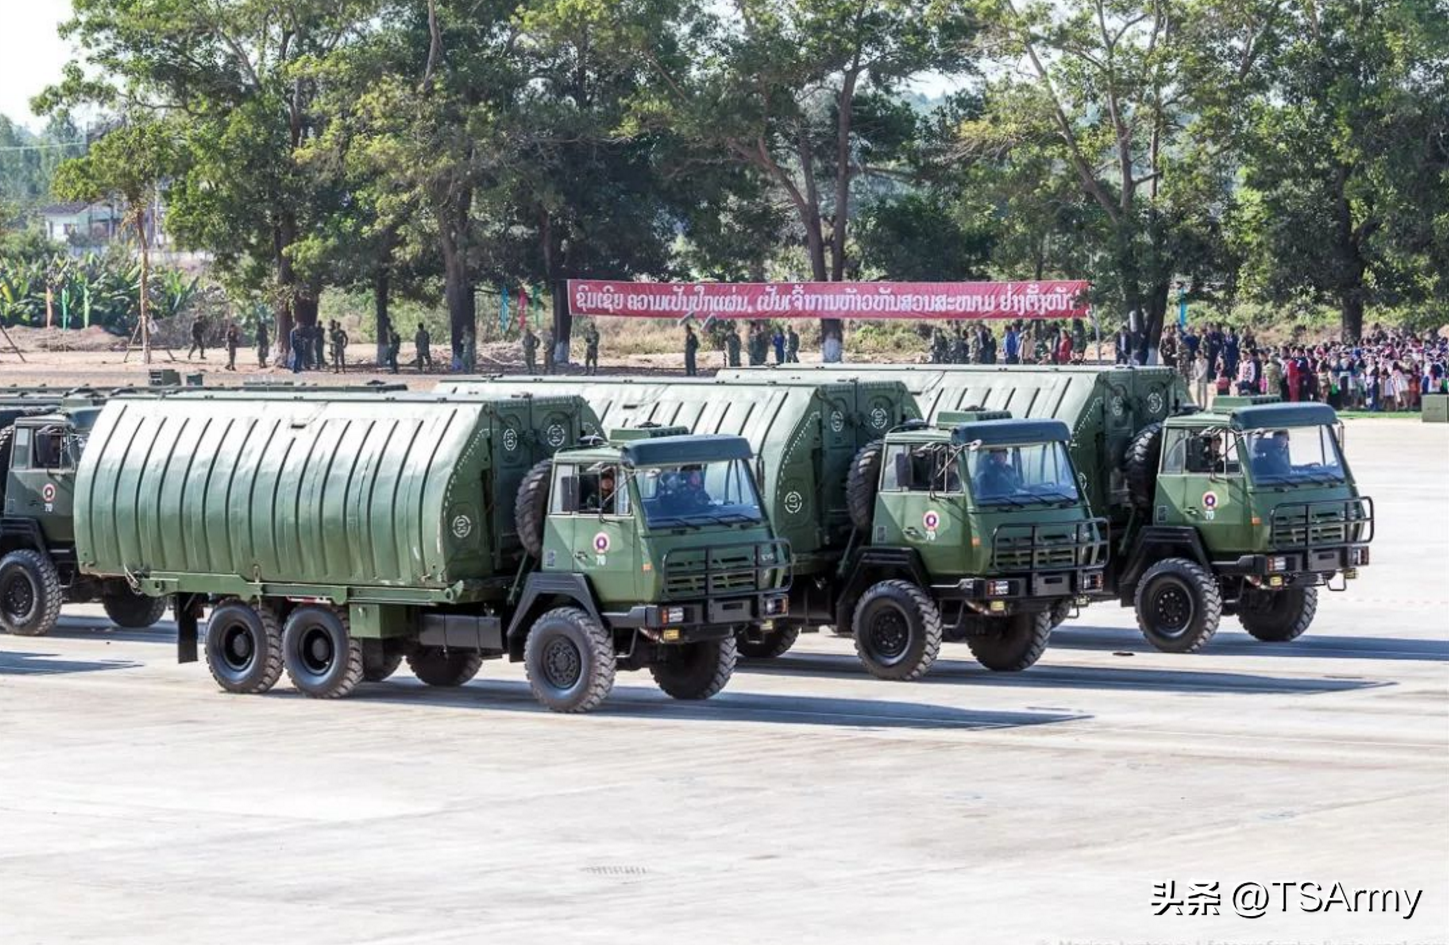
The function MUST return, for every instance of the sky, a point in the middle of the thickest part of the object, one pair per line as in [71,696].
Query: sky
[34,54]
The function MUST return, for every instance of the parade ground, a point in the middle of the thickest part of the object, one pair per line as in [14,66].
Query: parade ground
[809,802]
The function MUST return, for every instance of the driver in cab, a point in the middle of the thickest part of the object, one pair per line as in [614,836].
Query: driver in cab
[997,477]
[1270,456]
[686,494]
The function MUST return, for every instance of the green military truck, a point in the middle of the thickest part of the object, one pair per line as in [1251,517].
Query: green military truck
[1246,509]
[42,432]
[904,533]
[336,534]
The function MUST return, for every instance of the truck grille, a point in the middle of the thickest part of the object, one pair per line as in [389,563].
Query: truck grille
[1049,547]
[1305,525]
[709,571]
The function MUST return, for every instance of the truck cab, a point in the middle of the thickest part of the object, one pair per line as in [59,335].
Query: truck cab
[986,514]
[1253,509]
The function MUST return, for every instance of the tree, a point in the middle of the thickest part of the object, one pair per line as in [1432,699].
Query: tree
[805,93]
[129,163]
[1346,196]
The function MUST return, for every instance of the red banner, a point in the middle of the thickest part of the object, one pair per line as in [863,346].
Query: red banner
[913,300]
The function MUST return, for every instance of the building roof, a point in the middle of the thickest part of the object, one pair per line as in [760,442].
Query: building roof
[63,209]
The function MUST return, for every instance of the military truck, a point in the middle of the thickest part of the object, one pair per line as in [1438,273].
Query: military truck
[904,533]
[336,534]
[1246,509]
[42,432]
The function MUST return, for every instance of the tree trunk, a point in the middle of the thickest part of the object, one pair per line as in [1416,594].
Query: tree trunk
[145,290]
[453,232]
[832,330]
[1154,319]
[1350,289]
[381,284]
[1351,310]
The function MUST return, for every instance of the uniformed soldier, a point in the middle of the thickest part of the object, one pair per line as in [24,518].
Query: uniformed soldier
[339,348]
[233,341]
[530,350]
[732,346]
[262,343]
[470,349]
[319,346]
[792,346]
[198,338]
[424,344]
[691,348]
[960,353]
[548,352]
[394,348]
[591,350]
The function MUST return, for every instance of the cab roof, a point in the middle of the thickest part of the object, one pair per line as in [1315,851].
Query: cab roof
[668,450]
[1005,432]
[1265,416]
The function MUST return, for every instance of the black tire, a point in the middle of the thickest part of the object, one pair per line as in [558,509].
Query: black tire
[570,660]
[1178,605]
[1060,611]
[897,631]
[446,668]
[695,670]
[133,611]
[379,662]
[772,643]
[1278,616]
[530,506]
[244,647]
[1011,644]
[30,593]
[323,659]
[861,484]
[1139,466]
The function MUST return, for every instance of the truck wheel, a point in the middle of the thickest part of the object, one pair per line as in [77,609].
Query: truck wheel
[1060,611]
[772,643]
[29,593]
[897,631]
[530,507]
[378,662]
[1278,616]
[1178,605]
[570,660]
[244,647]
[861,483]
[1140,465]
[133,611]
[323,659]
[1011,644]
[438,667]
[695,670]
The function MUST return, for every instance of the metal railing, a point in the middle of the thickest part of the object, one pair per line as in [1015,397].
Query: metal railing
[1304,526]
[1049,546]
[735,568]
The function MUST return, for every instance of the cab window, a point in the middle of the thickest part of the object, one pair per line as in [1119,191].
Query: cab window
[49,448]
[20,449]
[930,467]
[589,490]
[1201,453]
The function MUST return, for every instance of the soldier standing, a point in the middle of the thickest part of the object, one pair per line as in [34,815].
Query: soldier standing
[959,348]
[339,348]
[198,338]
[262,343]
[394,348]
[424,344]
[233,341]
[530,350]
[297,340]
[792,346]
[732,346]
[691,347]
[591,350]
[319,346]
[548,353]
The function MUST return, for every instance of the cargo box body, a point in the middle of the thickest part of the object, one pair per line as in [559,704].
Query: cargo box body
[401,498]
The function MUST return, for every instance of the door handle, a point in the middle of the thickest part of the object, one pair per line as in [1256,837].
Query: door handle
[912,531]
[1192,512]
[581,556]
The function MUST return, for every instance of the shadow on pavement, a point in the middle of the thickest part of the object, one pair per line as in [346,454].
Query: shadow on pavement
[958,671]
[49,664]
[1238,643]
[84,628]
[650,703]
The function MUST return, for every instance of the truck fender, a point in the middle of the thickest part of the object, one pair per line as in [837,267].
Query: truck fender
[540,591]
[1156,542]
[872,564]
[17,533]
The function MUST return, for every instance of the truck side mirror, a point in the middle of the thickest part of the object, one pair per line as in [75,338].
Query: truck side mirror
[903,470]
[569,499]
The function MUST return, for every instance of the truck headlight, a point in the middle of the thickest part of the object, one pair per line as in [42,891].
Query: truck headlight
[1359,556]
[1278,563]
[775,606]
[998,588]
[671,614]
[1092,581]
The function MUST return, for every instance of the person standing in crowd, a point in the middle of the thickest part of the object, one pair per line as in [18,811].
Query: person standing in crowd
[1012,344]
[394,348]
[960,353]
[530,350]
[198,338]
[938,345]
[792,345]
[1167,347]
[338,339]
[1124,346]
[691,349]
[1200,372]
[1064,346]
[549,353]
[732,345]
[263,343]
[1273,376]
[778,340]
[233,341]
[319,346]
[1232,352]
[297,341]
[1247,376]
[423,345]
[591,349]
[1214,342]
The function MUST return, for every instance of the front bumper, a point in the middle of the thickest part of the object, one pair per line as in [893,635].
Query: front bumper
[708,619]
[1025,591]
[1292,566]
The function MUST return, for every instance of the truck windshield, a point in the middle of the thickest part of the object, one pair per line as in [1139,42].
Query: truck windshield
[1293,456]
[1018,475]
[693,494]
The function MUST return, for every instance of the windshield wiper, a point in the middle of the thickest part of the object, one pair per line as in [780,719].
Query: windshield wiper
[668,521]
[732,517]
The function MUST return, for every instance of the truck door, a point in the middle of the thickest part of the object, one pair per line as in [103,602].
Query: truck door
[42,478]
[591,529]
[1201,485]
[921,505]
